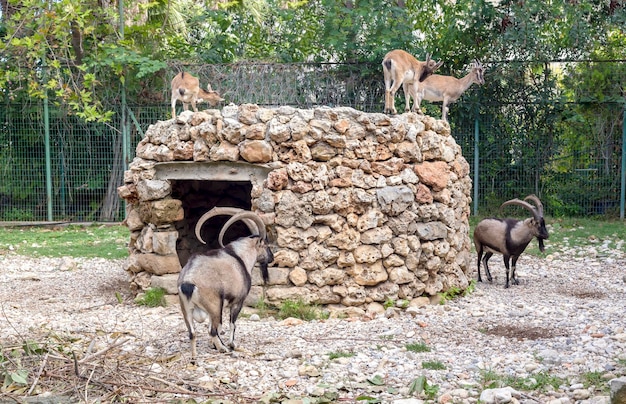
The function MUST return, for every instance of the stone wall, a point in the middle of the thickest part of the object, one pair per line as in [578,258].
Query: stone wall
[363,207]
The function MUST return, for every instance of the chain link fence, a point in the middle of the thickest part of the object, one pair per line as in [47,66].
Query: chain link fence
[553,129]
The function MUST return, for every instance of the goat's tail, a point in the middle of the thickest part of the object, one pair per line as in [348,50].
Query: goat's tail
[187,289]
[387,64]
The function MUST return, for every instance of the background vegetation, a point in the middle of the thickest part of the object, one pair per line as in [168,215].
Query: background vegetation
[551,115]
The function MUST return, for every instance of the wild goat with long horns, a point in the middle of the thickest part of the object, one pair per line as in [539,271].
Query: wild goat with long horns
[222,276]
[509,237]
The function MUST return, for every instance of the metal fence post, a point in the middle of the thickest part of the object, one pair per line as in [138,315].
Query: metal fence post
[125,129]
[623,177]
[476,164]
[46,124]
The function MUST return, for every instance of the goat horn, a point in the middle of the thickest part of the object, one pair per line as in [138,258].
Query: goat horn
[537,202]
[246,217]
[218,211]
[523,204]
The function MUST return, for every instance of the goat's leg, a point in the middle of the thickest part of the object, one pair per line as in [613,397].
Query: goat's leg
[480,255]
[486,264]
[193,105]
[235,309]
[216,325]
[173,107]
[507,258]
[418,96]
[513,264]
[406,87]
[391,86]
[413,91]
[187,309]
[389,107]
[391,92]
[444,110]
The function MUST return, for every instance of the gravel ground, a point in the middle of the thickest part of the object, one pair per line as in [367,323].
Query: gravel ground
[565,321]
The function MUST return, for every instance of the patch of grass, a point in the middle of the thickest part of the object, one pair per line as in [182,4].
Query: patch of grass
[417,347]
[490,379]
[153,297]
[403,304]
[389,303]
[537,382]
[299,309]
[95,241]
[433,365]
[597,380]
[578,232]
[340,354]
[455,292]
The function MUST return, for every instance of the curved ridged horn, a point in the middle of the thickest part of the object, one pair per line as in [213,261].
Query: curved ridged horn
[524,205]
[219,211]
[243,216]
[537,202]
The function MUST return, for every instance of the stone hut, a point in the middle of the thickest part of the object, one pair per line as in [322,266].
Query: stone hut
[361,207]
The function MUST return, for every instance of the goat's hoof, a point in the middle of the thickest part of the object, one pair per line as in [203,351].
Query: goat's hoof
[490,279]
[515,282]
[506,286]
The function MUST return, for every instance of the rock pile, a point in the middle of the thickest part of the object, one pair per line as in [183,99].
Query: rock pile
[364,207]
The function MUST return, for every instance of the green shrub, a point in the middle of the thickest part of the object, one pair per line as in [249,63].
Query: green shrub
[298,309]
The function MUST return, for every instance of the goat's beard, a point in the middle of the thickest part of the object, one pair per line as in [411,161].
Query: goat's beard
[264,272]
[541,246]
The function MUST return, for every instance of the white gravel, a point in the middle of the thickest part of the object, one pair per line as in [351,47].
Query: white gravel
[566,319]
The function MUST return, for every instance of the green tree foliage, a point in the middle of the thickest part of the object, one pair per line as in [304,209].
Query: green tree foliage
[69,50]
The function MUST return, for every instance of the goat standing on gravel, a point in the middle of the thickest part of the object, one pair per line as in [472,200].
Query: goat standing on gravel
[509,237]
[222,276]
[186,88]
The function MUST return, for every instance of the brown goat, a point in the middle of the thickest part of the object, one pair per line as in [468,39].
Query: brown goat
[186,88]
[401,68]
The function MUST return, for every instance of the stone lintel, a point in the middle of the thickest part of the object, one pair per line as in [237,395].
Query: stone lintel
[210,171]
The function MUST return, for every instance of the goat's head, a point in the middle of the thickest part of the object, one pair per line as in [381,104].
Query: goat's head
[255,225]
[429,67]
[479,72]
[537,223]
[210,96]
[263,251]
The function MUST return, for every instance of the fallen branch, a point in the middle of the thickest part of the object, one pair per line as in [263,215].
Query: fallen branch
[43,365]
[102,351]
